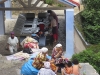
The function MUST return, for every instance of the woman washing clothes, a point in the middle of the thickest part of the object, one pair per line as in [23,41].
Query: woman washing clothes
[35,64]
[54,28]
[40,58]
[57,55]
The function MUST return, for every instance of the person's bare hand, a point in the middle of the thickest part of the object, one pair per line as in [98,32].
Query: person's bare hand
[60,52]
[63,57]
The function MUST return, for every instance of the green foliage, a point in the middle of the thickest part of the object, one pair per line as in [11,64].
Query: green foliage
[92,4]
[50,2]
[90,21]
[90,55]
[60,5]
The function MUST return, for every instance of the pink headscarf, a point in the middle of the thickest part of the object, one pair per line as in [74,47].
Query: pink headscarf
[12,33]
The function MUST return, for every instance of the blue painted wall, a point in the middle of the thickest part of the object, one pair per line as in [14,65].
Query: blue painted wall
[69,16]
[8,14]
[2,27]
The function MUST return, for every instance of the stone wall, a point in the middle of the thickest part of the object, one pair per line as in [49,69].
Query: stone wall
[79,29]
[87,69]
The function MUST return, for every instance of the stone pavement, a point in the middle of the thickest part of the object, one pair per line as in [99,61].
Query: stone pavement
[87,69]
[9,67]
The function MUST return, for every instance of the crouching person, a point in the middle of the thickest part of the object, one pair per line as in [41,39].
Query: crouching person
[35,64]
[40,58]
[68,69]
[12,43]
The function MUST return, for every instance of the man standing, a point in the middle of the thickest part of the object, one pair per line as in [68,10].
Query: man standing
[12,43]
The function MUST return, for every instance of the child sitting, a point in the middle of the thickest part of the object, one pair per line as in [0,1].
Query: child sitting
[76,67]
[68,69]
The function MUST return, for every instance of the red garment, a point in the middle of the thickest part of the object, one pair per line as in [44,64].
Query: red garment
[41,26]
[55,36]
[55,33]
[28,45]
[54,52]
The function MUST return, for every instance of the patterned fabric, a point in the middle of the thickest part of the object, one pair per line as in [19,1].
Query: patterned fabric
[53,66]
[38,61]
[28,45]
[31,45]
[54,53]
[59,59]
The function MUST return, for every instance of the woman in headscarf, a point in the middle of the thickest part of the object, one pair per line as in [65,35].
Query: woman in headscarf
[40,58]
[57,55]
[52,13]
[54,28]
[35,64]
[57,51]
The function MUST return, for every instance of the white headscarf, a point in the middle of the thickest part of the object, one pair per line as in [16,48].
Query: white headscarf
[47,65]
[44,49]
[58,45]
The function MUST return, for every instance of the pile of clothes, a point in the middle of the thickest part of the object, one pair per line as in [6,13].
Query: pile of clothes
[30,45]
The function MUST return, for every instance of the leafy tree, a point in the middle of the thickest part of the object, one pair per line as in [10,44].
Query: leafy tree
[90,21]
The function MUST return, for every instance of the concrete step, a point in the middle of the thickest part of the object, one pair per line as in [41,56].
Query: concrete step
[33,2]
[40,4]
[44,5]
[87,69]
